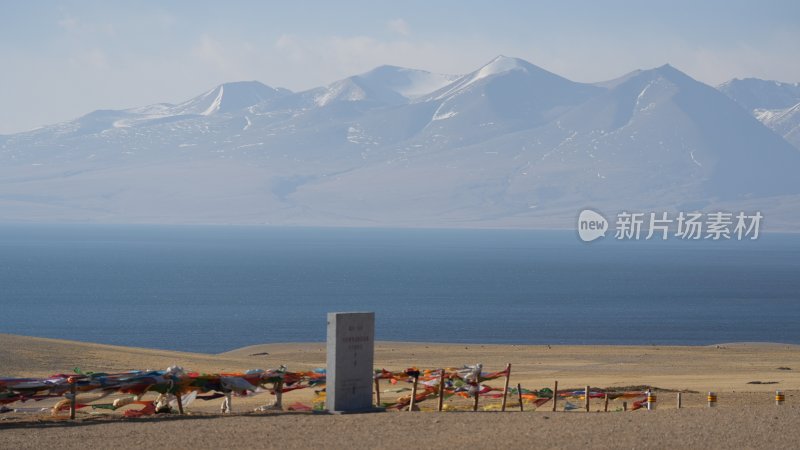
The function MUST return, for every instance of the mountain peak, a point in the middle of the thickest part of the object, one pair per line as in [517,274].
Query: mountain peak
[501,64]
[386,84]
[384,69]
[229,97]
[523,72]
[666,72]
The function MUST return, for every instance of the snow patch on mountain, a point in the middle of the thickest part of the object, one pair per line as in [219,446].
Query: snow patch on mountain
[445,115]
[785,122]
[775,116]
[343,90]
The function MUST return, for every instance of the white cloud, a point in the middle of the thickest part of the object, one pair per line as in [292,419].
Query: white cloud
[210,51]
[69,23]
[230,61]
[76,27]
[163,19]
[398,26]
[93,59]
[289,46]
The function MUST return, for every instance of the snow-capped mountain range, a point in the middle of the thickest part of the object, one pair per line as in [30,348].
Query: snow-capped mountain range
[509,144]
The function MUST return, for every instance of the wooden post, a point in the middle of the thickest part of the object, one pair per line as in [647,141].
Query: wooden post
[413,393]
[519,394]
[477,395]
[586,394]
[228,402]
[505,387]
[605,407]
[377,392]
[441,391]
[679,400]
[180,401]
[278,388]
[555,395]
[73,394]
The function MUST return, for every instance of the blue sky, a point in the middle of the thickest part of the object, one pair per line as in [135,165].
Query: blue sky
[63,59]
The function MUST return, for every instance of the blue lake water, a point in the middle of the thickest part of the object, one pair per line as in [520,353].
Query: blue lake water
[212,289]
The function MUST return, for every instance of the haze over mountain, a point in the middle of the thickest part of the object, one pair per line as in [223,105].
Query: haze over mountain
[509,144]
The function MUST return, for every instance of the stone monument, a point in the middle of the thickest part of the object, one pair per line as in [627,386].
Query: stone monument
[351,346]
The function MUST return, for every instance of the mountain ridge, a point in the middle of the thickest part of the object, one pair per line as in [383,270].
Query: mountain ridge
[507,145]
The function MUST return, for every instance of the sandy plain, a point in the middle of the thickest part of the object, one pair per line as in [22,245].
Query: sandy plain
[745,376]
